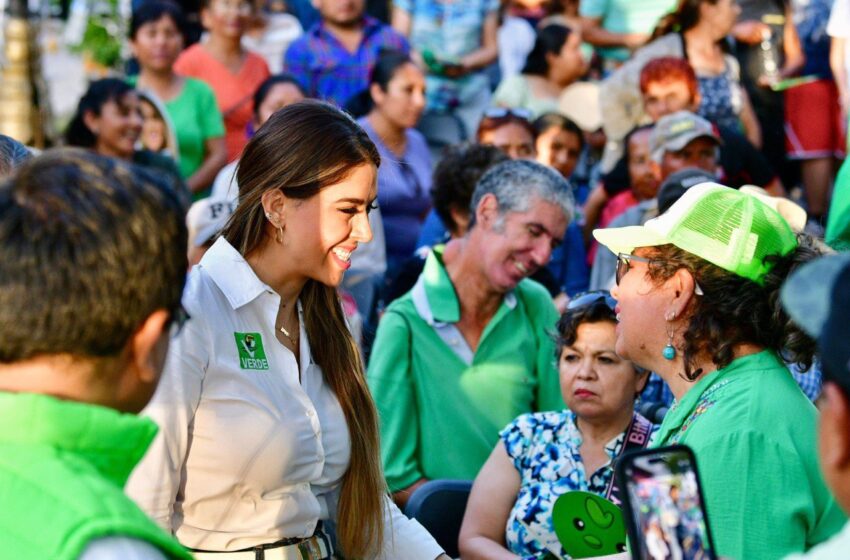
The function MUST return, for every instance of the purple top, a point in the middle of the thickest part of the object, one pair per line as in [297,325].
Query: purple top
[404,192]
[328,71]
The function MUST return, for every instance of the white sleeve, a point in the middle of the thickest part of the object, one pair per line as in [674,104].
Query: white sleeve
[839,19]
[125,548]
[405,538]
[156,480]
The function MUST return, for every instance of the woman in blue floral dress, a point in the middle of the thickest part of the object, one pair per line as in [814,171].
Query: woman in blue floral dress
[542,455]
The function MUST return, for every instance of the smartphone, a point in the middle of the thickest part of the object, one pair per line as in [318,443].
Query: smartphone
[663,505]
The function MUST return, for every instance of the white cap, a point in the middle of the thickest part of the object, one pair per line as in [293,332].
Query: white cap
[206,218]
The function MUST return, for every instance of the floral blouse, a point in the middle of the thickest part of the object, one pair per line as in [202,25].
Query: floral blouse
[544,448]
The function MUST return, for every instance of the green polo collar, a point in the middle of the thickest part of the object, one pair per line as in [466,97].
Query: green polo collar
[442,298]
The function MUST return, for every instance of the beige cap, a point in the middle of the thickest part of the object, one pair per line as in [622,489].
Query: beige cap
[579,102]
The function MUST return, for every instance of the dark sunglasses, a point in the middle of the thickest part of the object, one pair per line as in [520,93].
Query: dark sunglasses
[624,264]
[592,298]
[502,112]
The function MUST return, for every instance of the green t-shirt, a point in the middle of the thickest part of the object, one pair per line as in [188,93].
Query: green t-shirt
[753,432]
[838,224]
[625,16]
[196,119]
[441,416]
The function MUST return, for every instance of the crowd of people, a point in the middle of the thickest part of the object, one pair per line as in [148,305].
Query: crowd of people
[277,280]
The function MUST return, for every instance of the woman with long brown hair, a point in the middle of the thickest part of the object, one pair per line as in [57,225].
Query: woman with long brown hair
[269,433]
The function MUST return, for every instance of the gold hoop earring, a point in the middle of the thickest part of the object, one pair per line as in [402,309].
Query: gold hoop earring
[277,226]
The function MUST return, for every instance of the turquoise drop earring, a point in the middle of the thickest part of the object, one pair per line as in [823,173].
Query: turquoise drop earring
[669,352]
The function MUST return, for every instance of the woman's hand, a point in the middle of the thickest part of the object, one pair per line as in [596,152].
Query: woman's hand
[750,31]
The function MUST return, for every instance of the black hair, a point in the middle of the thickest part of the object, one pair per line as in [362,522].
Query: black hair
[456,175]
[388,63]
[566,330]
[154,10]
[736,310]
[550,40]
[267,85]
[618,179]
[100,92]
[90,246]
[556,120]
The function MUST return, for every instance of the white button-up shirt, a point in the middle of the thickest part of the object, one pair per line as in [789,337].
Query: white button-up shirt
[247,453]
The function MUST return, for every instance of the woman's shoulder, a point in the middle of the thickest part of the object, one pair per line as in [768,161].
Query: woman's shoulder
[191,56]
[670,44]
[255,65]
[511,90]
[418,147]
[416,139]
[200,293]
[528,433]
[532,423]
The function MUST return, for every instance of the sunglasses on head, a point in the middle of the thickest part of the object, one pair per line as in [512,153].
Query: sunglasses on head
[624,264]
[591,298]
[502,112]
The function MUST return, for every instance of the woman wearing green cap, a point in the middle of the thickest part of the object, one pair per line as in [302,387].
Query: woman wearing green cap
[697,302]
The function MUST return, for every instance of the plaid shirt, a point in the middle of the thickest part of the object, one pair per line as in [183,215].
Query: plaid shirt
[810,381]
[328,71]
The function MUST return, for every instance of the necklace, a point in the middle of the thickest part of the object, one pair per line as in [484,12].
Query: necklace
[292,338]
[287,335]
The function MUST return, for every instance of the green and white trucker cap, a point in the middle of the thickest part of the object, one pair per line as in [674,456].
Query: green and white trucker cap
[731,229]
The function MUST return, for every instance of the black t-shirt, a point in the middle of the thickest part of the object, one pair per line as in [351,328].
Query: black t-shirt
[742,163]
[754,58]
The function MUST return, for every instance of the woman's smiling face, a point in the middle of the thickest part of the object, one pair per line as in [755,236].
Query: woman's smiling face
[326,228]
[641,326]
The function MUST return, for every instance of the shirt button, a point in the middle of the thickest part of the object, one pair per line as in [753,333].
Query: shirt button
[310,413]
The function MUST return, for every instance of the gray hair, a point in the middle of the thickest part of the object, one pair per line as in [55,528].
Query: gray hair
[12,154]
[517,183]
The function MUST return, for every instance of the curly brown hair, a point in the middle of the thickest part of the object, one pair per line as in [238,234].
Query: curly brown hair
[736,310]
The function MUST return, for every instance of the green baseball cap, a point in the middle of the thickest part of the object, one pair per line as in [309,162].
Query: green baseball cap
[729,228]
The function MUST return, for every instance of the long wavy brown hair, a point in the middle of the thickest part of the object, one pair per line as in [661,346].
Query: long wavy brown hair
[299,150]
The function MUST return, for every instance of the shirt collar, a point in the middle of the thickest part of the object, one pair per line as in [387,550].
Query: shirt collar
[232,274]
[442,298]
[370,26]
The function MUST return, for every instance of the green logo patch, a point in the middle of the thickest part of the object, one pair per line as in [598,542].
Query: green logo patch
[252,355]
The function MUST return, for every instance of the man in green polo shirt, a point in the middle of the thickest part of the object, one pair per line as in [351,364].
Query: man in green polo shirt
[468,349]
[94,262]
